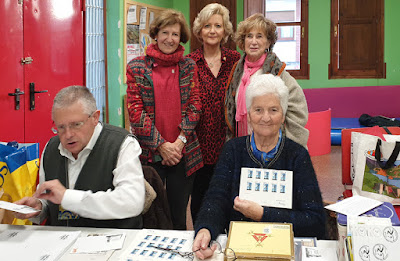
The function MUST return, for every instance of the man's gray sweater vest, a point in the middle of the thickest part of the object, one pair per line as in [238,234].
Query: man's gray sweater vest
[96,175]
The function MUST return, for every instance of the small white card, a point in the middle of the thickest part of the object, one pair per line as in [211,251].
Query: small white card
[354,206]
[94,244]
[131,19]
[318,253]
[267,187]
[17,208]
[143,18]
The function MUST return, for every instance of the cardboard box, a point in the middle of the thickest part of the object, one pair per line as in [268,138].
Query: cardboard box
[260,241]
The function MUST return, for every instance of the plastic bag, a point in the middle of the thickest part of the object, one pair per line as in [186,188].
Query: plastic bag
[377,167]
[19,165]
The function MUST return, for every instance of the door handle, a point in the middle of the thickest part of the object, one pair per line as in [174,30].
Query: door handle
[16,94]
[32,95]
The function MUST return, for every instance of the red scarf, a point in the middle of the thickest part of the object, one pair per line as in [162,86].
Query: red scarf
[165,59]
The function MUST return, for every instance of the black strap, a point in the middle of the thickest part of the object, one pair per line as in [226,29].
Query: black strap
[390,162]
[387,130]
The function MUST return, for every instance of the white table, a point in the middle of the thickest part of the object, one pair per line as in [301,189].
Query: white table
[112,255]
[130,235]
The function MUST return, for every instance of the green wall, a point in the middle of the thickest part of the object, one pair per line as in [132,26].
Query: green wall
[319,48]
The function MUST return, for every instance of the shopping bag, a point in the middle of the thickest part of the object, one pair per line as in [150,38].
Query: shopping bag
[377,167]
[375,131]
[19,166]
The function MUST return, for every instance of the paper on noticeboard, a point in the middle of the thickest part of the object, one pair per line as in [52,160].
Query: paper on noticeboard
[143,18]
[131,19]
[151,17]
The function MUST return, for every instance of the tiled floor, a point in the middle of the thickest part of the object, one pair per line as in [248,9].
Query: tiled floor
[328,169]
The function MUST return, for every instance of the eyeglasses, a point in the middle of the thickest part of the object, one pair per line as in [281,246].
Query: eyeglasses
[229,253]
[72,126]
[188,255]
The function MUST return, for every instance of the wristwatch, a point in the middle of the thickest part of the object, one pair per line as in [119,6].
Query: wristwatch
[182,138]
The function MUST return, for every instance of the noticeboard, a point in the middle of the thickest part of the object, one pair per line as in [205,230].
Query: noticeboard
[137,20]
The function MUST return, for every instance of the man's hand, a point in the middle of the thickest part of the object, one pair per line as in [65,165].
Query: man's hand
[200,244]
[51,190]
[31,202]
[248,208]
[171,153]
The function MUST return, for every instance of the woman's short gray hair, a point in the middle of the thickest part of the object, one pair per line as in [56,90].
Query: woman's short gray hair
[267,84]
[206,13]
[72,94]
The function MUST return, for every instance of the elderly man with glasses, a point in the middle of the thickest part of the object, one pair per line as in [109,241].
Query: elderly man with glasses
[90,174]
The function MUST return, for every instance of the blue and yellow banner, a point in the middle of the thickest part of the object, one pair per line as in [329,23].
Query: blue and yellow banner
[18,174]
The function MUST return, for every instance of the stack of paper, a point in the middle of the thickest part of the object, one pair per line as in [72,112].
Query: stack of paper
[35,245]
[373,239]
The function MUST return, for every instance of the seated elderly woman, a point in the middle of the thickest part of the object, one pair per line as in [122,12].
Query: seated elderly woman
[267,147]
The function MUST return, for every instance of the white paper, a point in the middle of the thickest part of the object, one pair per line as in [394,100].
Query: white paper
[299,242]
[151,17]
[267,187]
[354,206]
[375,243]
[132,51]
[318,254]
[17,208]
[94,244]
[143,17]
[35,245]
[131,19]
[142,247]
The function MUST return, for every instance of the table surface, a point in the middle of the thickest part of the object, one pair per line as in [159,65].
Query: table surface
[112,255]
[130,235]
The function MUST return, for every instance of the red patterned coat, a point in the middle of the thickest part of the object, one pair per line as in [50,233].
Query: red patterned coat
[141,107]
[211,128]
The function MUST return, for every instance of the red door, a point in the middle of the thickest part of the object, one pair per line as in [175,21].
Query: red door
[50,34]
[11,72]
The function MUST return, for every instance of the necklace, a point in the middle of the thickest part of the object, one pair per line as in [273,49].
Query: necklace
[212,61]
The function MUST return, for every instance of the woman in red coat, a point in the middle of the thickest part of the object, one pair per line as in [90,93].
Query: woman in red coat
[164,108]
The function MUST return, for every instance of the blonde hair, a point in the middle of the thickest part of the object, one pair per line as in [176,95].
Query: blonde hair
[205,14]
[258,21]
[170,17]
